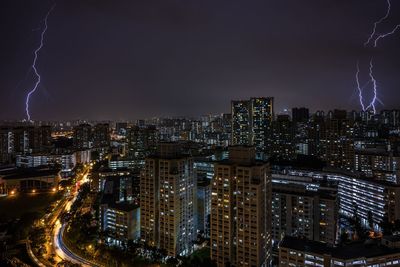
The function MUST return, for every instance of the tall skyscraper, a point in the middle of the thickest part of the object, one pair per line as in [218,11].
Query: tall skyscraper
[6,145]
[167,198]
[101,135]
[82,136]
[23,140]
[241,123]
[241,210]
[141,142]
[339,142]
[252,122]
[121,127]
[262,115]
[283,137]
[300,211]
[300,115]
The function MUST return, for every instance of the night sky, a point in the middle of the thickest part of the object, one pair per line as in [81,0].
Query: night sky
[123,60]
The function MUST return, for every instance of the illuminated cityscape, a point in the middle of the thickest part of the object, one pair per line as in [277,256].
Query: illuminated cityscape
[200,133]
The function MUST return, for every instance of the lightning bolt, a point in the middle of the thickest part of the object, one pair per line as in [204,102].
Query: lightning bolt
[385,35]
[36,72]
[376,37]
[375,98]
[359,87]
[376,24]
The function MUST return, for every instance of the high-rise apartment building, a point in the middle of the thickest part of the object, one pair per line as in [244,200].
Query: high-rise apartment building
[252,122]
[141,142]
[316,135]
[121,127]
[283,145]
[379,164]
[391,117]
[203,206]
[339,142]
[6,145]
[241,123]
[101,135]
[300,115]
[23,140]
[120,221]
[304,211]
[240,232]
[168,200]
[83,136]
[302,252]
[262,115]
[356,193]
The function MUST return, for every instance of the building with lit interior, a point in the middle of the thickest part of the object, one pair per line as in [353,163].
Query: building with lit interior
[305,211]
[356,193]
[167,201]
[302,252]
[240,231]
[120,221]
[252,122]
[29,180]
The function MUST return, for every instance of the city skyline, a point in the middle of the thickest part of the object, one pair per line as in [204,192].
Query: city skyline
[199,133]
[134,61]
[241,189]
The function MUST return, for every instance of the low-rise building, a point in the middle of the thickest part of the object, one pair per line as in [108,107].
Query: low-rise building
[29,180]
[120,222]
[299,210]
[31,161]
[302,252]
[356,193]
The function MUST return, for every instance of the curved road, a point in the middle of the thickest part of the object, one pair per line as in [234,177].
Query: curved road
[66,253]
[58,244]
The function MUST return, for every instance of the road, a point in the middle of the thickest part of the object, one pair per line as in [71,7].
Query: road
[60,249]
[64,252]
[56,230]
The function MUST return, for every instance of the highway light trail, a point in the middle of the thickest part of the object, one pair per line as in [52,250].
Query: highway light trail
[35,70]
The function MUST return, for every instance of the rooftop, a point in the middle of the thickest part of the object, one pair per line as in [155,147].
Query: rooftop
[28,173]
[363,249]
[124,206]
[301,244]
[355,250]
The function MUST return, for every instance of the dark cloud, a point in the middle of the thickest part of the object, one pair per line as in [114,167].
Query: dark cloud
[131,59]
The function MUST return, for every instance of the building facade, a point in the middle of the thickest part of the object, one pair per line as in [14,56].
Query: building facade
[121,222]
[304,211]
[356,193]
[252,123]
[301,252]
[240,232]
[168,201]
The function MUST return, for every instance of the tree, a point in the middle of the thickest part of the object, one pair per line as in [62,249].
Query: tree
[370,220]
[344,238]
[355,222]
[385,225]
[396,226]
[172,262]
